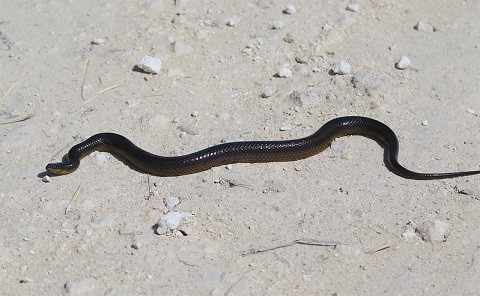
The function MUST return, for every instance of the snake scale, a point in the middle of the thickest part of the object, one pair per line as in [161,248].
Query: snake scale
[247,151]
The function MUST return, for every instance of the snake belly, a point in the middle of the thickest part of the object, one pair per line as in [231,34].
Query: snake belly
[247,151]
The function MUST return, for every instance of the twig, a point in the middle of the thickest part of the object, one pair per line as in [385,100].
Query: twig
[74,197]
[8,91]
[102,92]
[18,119]
[84,79]
[149,193]
[302,241]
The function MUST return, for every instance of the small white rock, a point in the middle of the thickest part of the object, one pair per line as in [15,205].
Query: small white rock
[98,41]
[231,22]
[341,68]
[267,92]
[189,129]
[229,166]
[284,72]
[150,64]
[471,111]
[83,286]
[290,9]
[170,202]
[301,59]
[25,280]
[99,157]
[434,231]
[425,122]
[353,7]
[46,179]
[424,27]
[326,27]
[194,114]
[339,146]
[171,221]
[403,63]
[277,25]
[286,127]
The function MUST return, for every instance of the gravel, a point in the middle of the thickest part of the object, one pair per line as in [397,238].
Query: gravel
[403,63]
[434,231]
[290,9]
[150,64]
[341,68]
[284,72]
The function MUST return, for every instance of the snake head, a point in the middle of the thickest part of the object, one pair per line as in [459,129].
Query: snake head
[60,168]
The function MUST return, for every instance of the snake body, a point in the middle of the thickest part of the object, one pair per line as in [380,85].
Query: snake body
[247,152]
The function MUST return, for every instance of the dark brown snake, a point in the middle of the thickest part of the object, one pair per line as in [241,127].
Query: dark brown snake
[247,152]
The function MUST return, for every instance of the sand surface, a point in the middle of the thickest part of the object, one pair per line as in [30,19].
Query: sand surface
[62,89]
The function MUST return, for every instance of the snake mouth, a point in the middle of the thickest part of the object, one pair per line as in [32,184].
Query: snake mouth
[57,168]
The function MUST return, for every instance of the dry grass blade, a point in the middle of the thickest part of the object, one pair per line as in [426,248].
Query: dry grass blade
[17,119]
[7,92]
[96,96]
[74,197]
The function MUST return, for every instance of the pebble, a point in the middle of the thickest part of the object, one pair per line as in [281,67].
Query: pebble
[150,64]
[277,25]
[326,27]
[301,59]
[267,92]
[290,9]
[171,221]
[84,286]
[341,68]
[231,22]
[25,280]
[434,231]
[289,38]
[409,232]
[339,146]
[98,41]
[286,127]
[99,157]
[284,72]
[170,202]
[189,128]
[353,7]
[425,122]
[46,179]
[471,111]
[136,245]
[424,27]
[403,63]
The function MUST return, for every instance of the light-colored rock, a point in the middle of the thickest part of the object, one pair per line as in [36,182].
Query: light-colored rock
[403,63]
[434,231]
[342,68]
[150,64]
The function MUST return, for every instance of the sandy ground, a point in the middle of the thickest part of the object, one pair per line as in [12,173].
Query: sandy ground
[213,76]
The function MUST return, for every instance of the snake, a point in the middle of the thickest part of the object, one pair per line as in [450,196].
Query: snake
[247,151]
